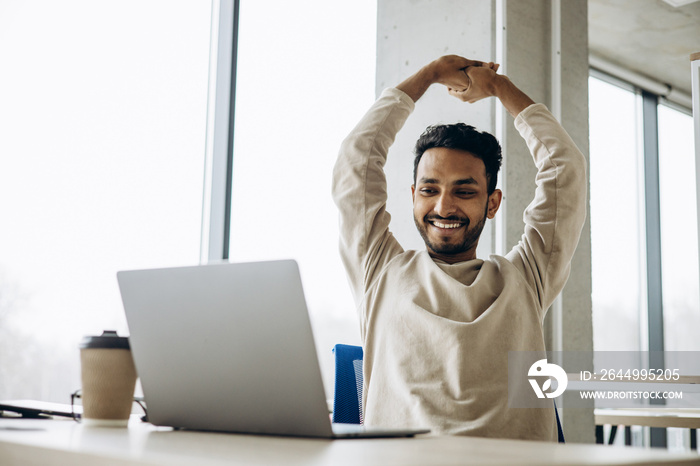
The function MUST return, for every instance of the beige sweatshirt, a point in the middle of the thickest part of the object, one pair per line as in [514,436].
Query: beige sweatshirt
[436,336]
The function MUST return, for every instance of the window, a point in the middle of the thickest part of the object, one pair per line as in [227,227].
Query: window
[302,85]
[103,161]
[679,244]
[643,224]
[643,232]
[627,205]
[617,218]
[102,136]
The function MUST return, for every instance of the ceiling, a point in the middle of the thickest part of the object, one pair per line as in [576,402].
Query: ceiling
[651,37]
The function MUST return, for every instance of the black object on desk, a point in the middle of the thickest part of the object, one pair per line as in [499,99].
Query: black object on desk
[36,409]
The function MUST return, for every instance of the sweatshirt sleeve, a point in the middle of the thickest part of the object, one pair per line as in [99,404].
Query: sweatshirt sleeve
[360,190]
[555,217]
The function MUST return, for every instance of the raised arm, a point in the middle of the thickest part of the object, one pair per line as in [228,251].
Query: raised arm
[360,190]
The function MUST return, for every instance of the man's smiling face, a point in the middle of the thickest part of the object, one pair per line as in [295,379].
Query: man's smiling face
[451,203]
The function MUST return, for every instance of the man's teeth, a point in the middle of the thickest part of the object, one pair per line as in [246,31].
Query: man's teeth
[447,225]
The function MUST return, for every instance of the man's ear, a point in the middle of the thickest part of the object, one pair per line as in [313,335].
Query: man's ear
[413,193]
[494,203]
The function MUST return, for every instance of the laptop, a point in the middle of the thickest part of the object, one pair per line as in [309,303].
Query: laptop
[228,347]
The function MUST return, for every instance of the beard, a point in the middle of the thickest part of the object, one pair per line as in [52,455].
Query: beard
[468,241]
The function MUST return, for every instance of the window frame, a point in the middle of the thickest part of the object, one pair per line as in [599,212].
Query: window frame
[221,106]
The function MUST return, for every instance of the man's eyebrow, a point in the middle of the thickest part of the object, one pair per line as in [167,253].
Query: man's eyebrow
[469,180]
[461,182]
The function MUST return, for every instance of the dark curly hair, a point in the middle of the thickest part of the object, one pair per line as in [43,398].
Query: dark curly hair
[462,137]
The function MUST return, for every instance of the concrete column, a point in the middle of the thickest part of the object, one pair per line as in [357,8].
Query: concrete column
[519,35]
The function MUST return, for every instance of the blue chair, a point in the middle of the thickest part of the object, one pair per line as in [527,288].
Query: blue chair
[347,400]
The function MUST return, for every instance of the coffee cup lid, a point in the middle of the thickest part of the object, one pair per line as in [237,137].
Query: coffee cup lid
[108,339]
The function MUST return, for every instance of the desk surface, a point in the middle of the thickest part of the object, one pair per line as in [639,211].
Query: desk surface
[650,417]
[53,442]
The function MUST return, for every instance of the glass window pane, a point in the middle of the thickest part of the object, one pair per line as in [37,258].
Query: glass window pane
[617,226]
[102,136]
[679,241]
[302,85]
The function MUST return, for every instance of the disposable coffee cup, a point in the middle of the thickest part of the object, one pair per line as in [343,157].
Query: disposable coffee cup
[108,380]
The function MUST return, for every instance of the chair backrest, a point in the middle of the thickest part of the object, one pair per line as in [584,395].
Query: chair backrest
[347,400]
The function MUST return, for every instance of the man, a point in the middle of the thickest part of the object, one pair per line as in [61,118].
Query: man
[437,325]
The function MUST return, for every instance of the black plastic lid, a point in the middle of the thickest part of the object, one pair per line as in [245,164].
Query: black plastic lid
[108,339]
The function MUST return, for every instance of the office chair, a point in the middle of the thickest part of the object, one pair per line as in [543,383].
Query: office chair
[347,400]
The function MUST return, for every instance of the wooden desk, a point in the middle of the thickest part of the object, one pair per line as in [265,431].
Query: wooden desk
[54,442]
[651,417]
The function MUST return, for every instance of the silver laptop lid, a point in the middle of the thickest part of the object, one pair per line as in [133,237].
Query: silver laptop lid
[226,347]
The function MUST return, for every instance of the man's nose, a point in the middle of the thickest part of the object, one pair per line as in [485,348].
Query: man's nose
[445,206]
